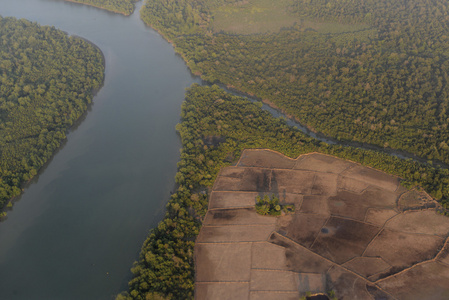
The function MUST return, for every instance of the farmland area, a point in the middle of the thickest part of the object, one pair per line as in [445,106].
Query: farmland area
[356,232]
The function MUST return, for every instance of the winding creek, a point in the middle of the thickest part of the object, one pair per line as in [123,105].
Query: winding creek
[79,225]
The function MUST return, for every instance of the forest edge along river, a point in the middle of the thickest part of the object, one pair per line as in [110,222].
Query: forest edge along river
[79,226]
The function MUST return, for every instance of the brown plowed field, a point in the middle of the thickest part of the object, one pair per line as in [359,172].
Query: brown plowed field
[355,231]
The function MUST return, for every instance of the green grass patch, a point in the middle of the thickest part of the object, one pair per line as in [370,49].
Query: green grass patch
[254,16]
[264,16]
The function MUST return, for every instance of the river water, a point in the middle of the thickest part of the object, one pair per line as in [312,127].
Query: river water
[79,226]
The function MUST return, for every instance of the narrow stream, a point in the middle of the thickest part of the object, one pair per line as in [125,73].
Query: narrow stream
[329,140]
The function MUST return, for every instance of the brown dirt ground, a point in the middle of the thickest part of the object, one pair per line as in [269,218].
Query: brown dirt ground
[232,199]
[373,177]
[268,256]
[222,290]
[300,259]
[264,295]
[324,184]
[239,216]
[289,198]
[273,280]
[317,205]
[322,163]
[265,159]
[353,232]
[444,254]
[341,239]
[238,233]
[425,281]
[245,180]
[355,206]
[378,216]
[403,250]
[367,266]
[231,262]
[311,282]
[305,228]
[425,221]
[347,285]
[293,181]
[351,184]
[349,205]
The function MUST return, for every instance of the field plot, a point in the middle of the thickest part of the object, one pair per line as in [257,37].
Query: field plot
[354,231]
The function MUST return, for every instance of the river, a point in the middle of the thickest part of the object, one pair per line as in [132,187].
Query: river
[78,227]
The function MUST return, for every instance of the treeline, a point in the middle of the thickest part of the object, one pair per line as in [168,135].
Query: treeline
[216,126]
[46,82]
[125,7]
[385,85]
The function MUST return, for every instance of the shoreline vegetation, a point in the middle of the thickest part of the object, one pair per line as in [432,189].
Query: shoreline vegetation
[124,7]
[312,131]
[342,51]
[216,127]
[353,143]
[337,69]
[48,81]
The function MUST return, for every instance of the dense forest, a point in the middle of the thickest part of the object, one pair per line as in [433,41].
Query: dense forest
[373,71]
[46,83]
[125,7]
[216,126]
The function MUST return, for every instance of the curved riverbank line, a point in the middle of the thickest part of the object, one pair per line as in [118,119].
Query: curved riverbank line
[123,150]
[50,88]
[124,7]
[324,73]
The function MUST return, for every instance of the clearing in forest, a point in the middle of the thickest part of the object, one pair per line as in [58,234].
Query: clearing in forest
[355,230]
[263,16]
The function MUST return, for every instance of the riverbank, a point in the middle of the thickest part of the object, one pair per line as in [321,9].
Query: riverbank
[238,124]
[96,189]
[73,126]
[278,67]
[127,14]
[39,120]
[294,120]
[95,91]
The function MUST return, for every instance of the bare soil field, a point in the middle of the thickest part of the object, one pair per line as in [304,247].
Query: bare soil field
[355,231]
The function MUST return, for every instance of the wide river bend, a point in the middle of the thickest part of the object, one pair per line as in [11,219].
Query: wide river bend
[79,225]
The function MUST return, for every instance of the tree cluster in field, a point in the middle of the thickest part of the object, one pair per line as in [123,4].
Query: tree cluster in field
[46,82]
[385,85]
[165,268]
[125,7]
[272,207]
